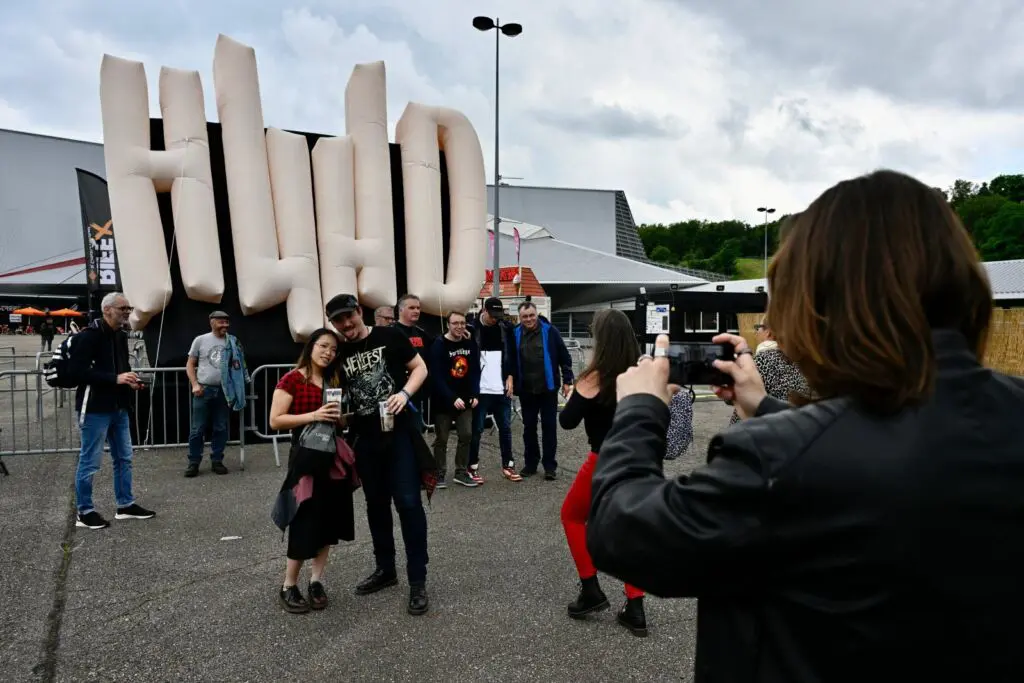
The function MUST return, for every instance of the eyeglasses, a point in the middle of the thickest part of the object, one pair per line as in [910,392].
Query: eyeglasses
[386,319]
[326,347]
[126,309]
[457,323]
[758,328]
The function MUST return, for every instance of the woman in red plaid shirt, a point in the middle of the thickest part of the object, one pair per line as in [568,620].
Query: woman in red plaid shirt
[326,517]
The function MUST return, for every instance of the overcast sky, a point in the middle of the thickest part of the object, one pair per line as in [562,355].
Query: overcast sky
[696,108]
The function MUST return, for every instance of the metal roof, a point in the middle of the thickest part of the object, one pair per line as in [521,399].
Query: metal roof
[1006,278]
[558,262]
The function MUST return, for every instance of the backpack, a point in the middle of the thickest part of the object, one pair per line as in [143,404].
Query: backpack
[57,372]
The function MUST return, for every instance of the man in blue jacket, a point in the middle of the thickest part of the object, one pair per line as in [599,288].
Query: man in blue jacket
[541,365]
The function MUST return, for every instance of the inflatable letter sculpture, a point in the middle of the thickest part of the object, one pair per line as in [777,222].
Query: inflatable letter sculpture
[303,227]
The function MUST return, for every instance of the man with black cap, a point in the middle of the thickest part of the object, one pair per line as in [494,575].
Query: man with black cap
[492,337]
[381,371]
[209,405]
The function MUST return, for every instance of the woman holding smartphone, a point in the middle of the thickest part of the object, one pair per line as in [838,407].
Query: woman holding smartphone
[323,513]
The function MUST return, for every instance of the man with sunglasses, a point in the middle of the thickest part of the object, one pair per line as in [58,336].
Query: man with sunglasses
[99,361]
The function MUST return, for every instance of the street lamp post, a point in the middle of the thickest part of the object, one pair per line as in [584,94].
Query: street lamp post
[765,210]
[510,30]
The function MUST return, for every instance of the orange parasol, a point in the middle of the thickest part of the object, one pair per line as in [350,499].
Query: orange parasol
[29,311]
[66,313]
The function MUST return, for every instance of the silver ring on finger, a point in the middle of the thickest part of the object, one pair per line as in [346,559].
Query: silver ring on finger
[643,358]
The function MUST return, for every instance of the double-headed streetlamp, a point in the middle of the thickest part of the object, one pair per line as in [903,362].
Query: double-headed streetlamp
[510,30]
[765,210]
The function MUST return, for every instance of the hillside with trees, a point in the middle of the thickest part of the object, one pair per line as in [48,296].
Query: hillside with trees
[992,212]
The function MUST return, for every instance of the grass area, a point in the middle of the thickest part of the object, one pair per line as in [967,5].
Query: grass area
[749,268]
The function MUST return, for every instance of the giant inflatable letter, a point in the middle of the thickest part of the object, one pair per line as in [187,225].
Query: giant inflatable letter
[419,131]
[355,223]
[135,173]
[270,197]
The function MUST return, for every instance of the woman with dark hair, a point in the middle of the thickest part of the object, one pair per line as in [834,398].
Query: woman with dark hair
[592,402]
[873,534]
[323,513]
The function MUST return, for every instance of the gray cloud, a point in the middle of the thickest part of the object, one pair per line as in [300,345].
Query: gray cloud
[610,122]
[945,51]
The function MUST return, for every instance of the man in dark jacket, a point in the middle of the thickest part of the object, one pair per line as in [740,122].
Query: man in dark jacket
[541,367]
[47,331]
[99,361]
[827,543]
[455,366]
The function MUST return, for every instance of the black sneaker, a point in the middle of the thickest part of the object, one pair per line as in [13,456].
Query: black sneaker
[292,601]
[378,580]
[192,470]
[419,603]
[218,468]
[550,475]
[317,595]
[464,478]
[134,511]
[441,483]
[92,520]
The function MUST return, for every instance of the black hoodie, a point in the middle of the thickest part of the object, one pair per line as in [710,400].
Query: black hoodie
[98,355]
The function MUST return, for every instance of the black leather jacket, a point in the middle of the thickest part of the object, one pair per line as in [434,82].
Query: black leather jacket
[827,544]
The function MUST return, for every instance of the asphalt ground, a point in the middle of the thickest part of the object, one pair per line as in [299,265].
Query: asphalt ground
[191,594]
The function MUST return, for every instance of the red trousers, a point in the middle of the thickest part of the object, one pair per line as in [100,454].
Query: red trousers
[575,510]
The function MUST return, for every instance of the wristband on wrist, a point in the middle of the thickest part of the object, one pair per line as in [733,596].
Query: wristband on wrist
[405,393]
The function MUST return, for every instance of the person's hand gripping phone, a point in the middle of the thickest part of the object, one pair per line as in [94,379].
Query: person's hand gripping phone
[747,390]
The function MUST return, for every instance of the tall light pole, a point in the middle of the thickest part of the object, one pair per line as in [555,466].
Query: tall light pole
[510,30]
[765,210]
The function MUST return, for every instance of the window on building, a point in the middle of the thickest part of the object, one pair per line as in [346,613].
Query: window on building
[561,322]
[580,328]
[731,322]
[701,321]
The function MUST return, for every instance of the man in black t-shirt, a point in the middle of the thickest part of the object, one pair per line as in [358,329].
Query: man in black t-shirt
[455,366]
[379,367]
[408,310]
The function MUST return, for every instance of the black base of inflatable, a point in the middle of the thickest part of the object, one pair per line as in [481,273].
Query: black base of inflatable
[265,335]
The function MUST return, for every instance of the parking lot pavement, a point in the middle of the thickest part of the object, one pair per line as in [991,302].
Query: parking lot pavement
[191,594]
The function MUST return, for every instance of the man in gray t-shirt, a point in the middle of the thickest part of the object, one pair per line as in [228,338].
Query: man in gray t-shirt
[209,405]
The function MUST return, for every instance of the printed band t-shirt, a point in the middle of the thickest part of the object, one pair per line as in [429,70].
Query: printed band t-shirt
[373,369]
[421,341]
[207,349]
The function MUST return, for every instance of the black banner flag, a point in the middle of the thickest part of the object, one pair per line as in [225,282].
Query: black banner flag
[98,232]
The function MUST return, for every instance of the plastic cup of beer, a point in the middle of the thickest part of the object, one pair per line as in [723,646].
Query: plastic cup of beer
[387,420]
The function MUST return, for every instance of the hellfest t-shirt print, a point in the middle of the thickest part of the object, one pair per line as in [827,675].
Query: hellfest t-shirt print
[374,368]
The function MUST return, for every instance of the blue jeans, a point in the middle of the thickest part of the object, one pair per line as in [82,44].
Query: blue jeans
[97,429]
[210,407]
[500,406]
[546,406]
[394,476]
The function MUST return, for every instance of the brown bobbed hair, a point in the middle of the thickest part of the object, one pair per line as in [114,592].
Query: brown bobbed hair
[615,350]
[861,279]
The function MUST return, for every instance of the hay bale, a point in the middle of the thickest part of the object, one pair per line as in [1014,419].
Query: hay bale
[1005,351]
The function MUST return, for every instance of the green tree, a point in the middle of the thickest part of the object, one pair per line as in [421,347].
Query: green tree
[1001,236]
[960,191]
[663,254]
[1009,186]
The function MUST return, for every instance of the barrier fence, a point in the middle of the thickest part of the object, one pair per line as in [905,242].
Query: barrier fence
[36,418]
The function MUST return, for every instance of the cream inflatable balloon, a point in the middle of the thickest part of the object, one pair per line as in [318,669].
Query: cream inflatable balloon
[299,237]
[135,173]
[418,133]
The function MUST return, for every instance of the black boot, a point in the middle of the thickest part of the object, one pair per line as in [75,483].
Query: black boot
[378,580]
[419,603]
[591,599]
[632,617]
